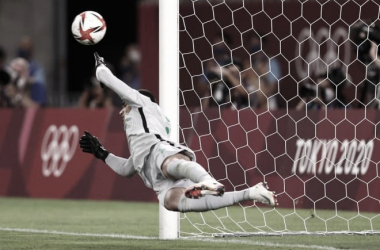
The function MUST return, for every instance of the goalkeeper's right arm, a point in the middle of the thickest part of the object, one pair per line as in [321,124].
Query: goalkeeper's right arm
[121,166]
[91,144]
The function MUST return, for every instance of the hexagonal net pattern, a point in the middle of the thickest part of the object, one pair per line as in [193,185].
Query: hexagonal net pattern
[284,92]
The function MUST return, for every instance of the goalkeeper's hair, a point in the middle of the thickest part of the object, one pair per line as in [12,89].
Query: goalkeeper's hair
[148,94]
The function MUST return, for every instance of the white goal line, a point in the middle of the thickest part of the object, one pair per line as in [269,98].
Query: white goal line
[41,231]
[137,237]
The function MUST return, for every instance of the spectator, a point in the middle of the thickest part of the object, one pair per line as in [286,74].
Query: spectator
[94,96]
[226,87]
[269,70]
[220,49]
[308,94]
[37,78]
[251,82]
[219,76]
[232,76]
[17,92]
[255,83]
[213,86]
[130,66]
[328,92]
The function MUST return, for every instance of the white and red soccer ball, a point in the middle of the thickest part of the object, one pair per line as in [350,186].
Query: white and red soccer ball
[88,28]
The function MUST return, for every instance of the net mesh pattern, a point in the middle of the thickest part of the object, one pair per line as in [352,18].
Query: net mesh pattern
[284,92]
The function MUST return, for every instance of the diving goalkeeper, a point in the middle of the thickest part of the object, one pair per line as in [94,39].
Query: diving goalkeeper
[167,167]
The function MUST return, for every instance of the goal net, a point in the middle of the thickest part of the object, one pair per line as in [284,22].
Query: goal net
[284,92]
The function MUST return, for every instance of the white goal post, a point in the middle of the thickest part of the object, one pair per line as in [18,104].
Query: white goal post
[168,93]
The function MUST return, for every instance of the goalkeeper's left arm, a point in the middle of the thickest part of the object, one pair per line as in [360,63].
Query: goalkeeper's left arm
[91,144]
[129,95]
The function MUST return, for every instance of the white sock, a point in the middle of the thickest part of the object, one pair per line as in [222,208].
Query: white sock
[181,169]
[210,202]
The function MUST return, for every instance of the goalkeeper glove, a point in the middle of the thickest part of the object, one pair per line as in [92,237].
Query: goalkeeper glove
[91,144]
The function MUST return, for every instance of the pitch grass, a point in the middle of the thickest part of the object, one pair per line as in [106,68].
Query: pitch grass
[129,219]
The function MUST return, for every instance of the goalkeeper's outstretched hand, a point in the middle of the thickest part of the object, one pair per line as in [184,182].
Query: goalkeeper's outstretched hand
[91,144]
[99,61]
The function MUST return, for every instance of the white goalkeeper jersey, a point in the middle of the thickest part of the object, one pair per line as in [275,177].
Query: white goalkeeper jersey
[145,124]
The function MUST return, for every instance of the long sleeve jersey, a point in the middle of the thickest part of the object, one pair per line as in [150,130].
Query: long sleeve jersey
[145,124]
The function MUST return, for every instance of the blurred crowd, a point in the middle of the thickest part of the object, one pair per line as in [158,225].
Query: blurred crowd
[227,82]
[22,80]
[232,83]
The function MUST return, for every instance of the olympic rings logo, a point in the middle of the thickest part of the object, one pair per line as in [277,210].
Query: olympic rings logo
[57,149]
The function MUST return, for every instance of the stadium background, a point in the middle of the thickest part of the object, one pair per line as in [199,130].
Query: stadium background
[68,65]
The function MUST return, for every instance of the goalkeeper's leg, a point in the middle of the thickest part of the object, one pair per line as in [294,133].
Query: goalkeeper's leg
[176,200]
[179,166]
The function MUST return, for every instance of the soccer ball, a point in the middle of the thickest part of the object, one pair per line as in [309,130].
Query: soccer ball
[88,28]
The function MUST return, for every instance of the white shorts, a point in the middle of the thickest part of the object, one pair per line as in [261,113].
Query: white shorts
[152,168]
